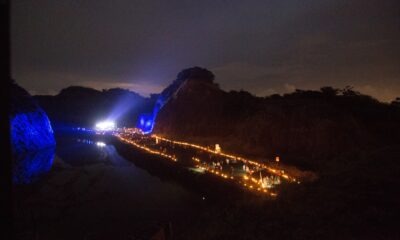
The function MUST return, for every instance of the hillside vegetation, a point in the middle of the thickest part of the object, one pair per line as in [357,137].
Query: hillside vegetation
[305,128]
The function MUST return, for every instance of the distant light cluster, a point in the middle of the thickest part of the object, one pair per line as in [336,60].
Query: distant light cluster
[100,144]
[105,126]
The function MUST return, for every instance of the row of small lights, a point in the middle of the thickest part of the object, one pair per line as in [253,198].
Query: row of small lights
[215,172]
[173,158]
[277,172]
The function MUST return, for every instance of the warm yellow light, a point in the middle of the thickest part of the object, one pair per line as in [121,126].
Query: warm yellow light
[132,137]
[270,169]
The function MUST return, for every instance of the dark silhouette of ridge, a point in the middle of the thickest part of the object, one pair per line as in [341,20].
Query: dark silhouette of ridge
[305,126]
[82,106]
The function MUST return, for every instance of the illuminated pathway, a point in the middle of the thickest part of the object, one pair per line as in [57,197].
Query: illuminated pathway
[253,177]
[246,161]
[126,140]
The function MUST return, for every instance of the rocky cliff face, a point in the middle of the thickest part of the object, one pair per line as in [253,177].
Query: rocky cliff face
[147,120]
[307,127]
[30,127]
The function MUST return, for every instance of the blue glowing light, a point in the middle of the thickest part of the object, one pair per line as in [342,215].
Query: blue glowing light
[146,123]
[32,137]
[33,144]
[27,167]
[31,131]
[147,120]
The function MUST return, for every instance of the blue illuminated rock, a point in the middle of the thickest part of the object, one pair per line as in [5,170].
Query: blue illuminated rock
[29,166]
[146,121]
[30,127]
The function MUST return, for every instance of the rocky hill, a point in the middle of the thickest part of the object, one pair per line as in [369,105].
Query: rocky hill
[32,137]
[305,128]
[31,129]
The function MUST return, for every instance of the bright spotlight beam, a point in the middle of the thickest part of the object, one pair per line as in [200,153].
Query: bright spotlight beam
[105,126]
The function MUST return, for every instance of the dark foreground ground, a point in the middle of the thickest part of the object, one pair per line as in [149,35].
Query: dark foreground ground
[92,192]
[112,192]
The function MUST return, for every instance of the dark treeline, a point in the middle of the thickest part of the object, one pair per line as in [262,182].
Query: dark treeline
[81,106]
[305,126]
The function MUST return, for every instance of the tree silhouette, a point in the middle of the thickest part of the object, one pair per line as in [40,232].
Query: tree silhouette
[349,91]
[396,102]
[329,91]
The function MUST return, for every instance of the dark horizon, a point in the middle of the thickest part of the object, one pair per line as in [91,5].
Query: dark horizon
[263,47]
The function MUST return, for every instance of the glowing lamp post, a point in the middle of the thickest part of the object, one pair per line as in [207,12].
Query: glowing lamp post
[217,148]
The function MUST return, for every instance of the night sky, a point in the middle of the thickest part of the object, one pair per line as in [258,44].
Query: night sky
[263,47]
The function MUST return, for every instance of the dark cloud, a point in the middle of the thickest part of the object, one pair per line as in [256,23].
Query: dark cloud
[261,46]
